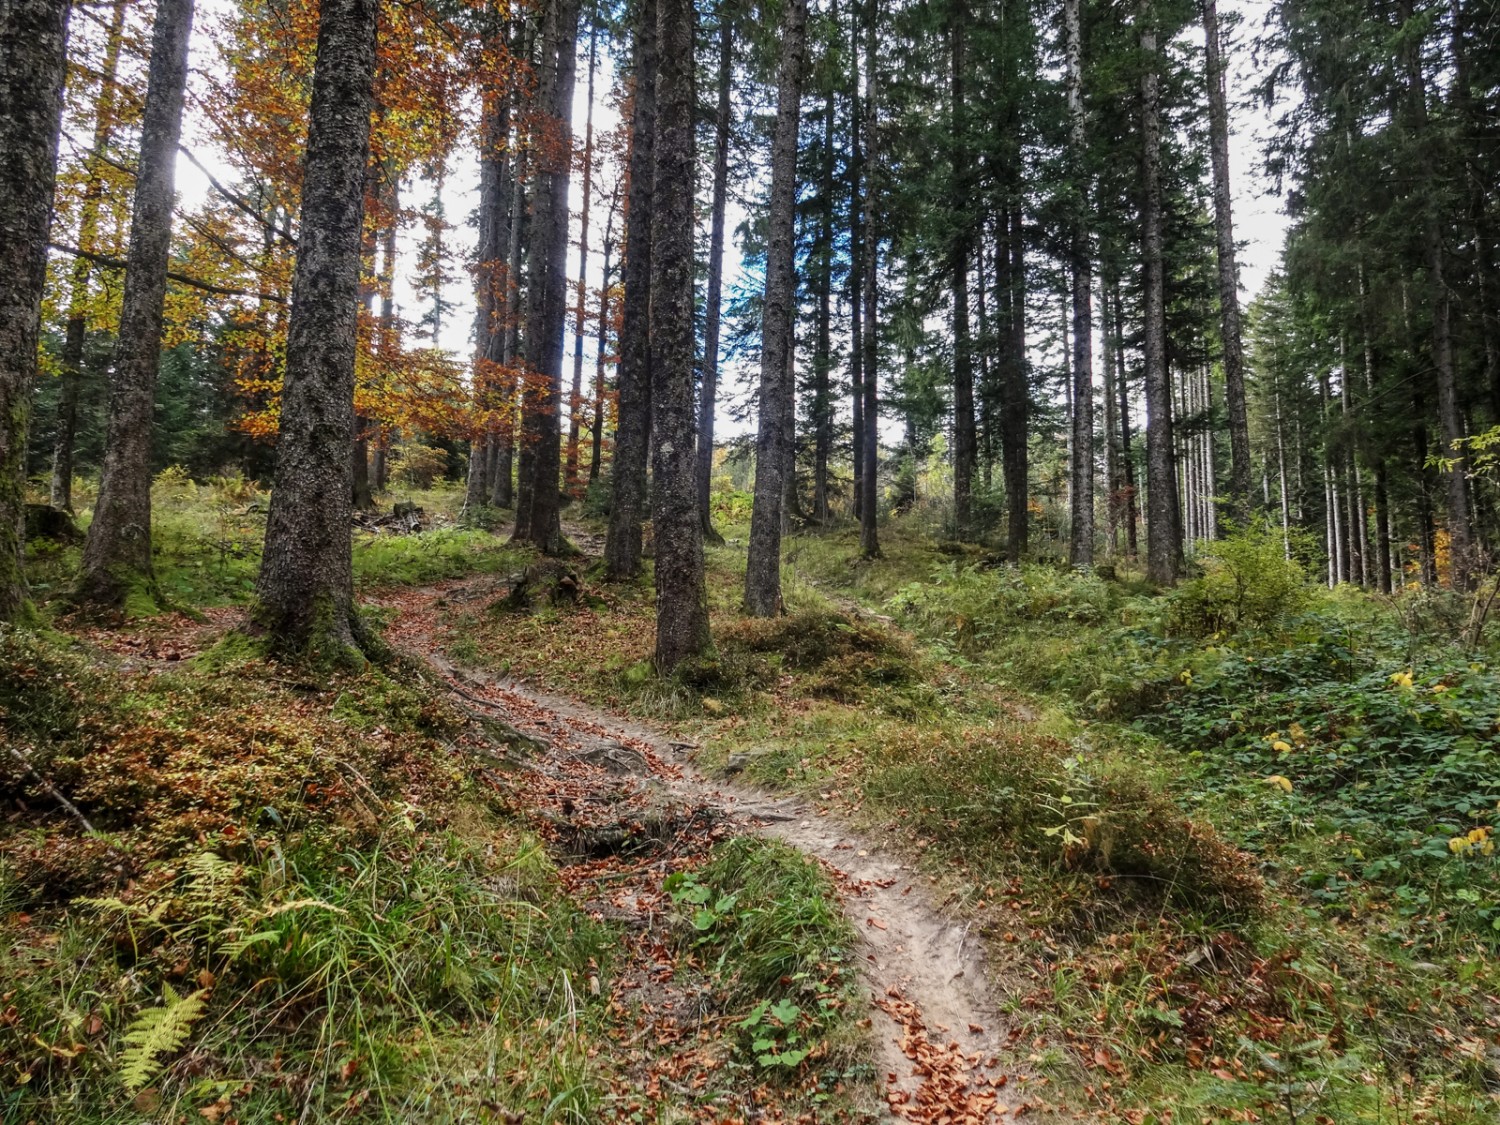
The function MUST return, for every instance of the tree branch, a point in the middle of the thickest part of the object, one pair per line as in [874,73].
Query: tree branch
[181,278]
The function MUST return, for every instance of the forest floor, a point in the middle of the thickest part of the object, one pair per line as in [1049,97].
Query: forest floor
[949,842]
[608,784]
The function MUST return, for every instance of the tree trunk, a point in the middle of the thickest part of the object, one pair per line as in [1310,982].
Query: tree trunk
[1450,419]
[1131,500]
[490,283]
[1015,405]
[681,597]
[596,434]
[117,553]
[1081,493]
[33,59]
[823,352]
[547,285]
[869,539]
[763,567]
[504,490]
[714,298]
[1163,517]
[1229,293]
[964,444]
[622,546]
[388,331]
[575,398]
[856,276]
[88,235]
[305,592]
[1112,484]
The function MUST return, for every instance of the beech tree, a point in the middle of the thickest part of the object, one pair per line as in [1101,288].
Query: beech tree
[305,591]
[117,553]
[33,41]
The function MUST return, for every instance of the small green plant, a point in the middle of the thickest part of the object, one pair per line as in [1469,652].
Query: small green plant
[157,1032]
[776,1038]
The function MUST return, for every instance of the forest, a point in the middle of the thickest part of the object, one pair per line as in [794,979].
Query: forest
[750,561]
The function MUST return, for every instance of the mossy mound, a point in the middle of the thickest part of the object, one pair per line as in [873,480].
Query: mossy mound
[835,657]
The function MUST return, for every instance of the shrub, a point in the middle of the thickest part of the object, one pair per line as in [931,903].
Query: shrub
[418,465]
[1248,583]
[978,606]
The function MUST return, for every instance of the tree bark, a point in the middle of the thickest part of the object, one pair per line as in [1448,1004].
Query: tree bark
[822,413]
[117,552]
[33,59]
[964,443]
[1112,483]
[856,275]
[714,298]
[596,434]
[575,398]
[1081,492]
[763,567]
[1015,408]
[547,284]
[305,592]
[1163,516]
[490,290]
[389,341]
[1229,292]
[88,230]
[869,537]
[622,546]
[681,597]
[503,491]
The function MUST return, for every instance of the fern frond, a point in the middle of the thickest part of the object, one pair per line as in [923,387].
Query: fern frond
[156,1032]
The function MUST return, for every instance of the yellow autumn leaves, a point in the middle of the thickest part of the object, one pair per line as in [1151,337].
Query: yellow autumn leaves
[1478,841]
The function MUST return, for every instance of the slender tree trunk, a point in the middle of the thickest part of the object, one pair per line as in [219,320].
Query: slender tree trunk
[305,592]
[1281,476]
[856,275]
[714,298]
[389,341]
[117,553]
[1015,409]
[596,434]
[504,494]
[547,285]
[1081,493]
[823,352]
[490,304]
[622,547]
[763,567]
[33,60]
[1111,409]
[88,235]
[1163,519]
[869,538]
[575,398]
[1229,296]
[1131,501]
[985,391]
[681,597]
[964,443]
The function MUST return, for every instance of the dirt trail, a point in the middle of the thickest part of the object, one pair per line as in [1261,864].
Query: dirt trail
[945,1051]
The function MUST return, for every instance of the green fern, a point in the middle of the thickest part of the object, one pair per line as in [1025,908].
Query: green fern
[156,1032]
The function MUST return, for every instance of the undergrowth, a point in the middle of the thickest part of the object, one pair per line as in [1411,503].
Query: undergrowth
[1245,857]
[296,905]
